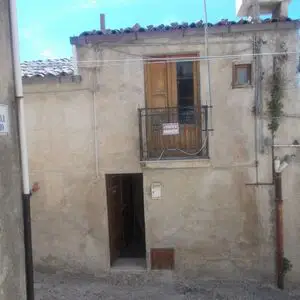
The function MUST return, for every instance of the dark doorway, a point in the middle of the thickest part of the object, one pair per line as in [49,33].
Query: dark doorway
[125,205]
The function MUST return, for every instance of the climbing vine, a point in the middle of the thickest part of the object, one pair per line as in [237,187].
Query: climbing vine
[287,266]
[277,83]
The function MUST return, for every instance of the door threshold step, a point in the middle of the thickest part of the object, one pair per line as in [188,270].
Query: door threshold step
[129,264]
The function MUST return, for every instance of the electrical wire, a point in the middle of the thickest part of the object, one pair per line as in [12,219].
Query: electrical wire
[153,44]
[146,56]
[187,153]
[152,60]
[207,55]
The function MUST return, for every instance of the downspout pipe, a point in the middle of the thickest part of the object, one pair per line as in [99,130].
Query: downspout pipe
[256,106]
[208,62]
[95,124]
[279,231]
[23,149]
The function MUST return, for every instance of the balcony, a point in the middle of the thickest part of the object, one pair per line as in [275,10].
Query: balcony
[174,133]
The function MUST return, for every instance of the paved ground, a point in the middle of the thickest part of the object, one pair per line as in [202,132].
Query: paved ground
[64,287]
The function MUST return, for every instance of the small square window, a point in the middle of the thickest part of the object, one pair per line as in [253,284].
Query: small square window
[241,75]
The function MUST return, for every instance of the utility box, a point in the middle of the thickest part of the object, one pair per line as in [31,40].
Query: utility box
[278,8]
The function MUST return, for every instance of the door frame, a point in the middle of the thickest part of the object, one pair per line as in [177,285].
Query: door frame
[108,186]
[112,180]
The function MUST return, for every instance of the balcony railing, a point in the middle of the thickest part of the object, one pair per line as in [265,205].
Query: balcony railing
[174,132]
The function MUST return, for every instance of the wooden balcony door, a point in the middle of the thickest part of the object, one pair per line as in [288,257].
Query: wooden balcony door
[172,88]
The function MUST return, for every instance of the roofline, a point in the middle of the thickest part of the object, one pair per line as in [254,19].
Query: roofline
[220,29]
[52,79]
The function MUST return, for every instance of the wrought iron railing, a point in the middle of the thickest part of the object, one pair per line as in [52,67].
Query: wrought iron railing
[174,132]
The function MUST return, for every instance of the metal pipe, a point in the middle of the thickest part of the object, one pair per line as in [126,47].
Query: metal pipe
[260,183]
[260,101]
[208,61]
[28,247]
[95,126]
[256,108]
[279,231]
[257,97]
[19,96]
[273,159]
[23,149]
[95,136]
[286,146]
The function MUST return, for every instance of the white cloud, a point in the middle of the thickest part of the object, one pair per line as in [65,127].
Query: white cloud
[33,43]
[91,4]
[26,33]
[48,54]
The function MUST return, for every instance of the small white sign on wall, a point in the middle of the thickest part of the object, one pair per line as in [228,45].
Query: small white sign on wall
[4,121]
[156,190]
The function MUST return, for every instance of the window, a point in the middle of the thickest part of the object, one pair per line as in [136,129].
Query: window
[241,75]
[185,92]
[174,85]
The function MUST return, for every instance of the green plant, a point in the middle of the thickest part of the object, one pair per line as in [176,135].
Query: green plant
[287,266]
[277,81]
[275,106]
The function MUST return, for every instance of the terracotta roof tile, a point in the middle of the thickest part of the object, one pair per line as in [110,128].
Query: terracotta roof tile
[175,26]
[49,67]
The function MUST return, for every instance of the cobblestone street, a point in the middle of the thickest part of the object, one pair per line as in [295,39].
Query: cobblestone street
[63,287]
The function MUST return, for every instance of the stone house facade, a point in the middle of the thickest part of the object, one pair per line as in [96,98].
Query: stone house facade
[140,165]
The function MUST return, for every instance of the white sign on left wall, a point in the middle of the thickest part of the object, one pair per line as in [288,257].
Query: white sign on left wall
[4,120]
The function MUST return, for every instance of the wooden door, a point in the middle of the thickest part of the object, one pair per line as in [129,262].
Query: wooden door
[157,95]
[162,91]
[157,84]
[115,219]
[189,138]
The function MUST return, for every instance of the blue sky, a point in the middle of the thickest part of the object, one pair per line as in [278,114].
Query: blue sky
[45,26]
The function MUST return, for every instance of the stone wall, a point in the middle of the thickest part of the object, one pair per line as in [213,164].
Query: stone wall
[12,267]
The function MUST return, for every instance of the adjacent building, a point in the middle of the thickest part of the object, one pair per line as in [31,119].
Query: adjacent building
[12,265]
[151,155]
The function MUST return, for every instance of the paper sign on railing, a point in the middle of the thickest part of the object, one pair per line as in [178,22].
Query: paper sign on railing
[170,128]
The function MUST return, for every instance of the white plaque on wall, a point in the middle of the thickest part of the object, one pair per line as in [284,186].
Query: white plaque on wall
[4,121]
[156,190]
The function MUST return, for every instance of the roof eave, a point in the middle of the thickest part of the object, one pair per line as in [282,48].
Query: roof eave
[52,79]
[221,29]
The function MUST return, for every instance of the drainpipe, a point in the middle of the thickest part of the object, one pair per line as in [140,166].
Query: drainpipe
[95,123]
[279,230]
[208,62]
[259,100]
[279,166]
[256,102]
[23,149]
